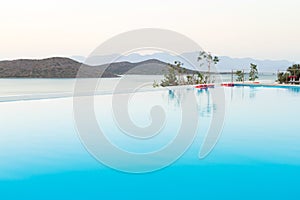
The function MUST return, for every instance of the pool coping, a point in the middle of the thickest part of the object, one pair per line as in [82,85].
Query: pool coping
[274,85]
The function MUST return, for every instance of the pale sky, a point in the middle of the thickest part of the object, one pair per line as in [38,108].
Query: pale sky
[263,29]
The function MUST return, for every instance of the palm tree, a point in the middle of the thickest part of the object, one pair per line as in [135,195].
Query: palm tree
[253,75]
[179,69]
[240,75]
[209,59]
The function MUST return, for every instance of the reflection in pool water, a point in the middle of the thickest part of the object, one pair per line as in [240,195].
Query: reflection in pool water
[205,104]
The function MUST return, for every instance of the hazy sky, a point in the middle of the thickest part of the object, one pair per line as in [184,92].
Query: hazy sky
[266,29]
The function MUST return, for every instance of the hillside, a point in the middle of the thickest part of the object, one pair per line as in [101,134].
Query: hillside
[148,67]
[56,67]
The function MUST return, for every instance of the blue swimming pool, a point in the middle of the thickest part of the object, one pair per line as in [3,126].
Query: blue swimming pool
[256,157]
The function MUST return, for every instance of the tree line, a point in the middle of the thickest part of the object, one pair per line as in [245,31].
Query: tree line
[177,75]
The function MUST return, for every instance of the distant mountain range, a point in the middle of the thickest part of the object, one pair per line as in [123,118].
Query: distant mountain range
[58,67]
[226,63]
[154,64]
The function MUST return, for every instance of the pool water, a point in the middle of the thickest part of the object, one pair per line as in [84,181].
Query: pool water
[256,157]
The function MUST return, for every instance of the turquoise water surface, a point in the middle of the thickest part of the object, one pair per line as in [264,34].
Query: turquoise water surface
[256,157]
